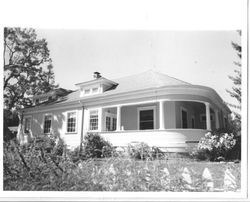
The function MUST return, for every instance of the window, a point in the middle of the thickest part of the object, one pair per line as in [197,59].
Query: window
[114,124]
[146,118]
[93,120]
[108,123]
[87,91]
[47,124]
[27,125]
[203,117]
[71,122]
[94,90]
[184,120]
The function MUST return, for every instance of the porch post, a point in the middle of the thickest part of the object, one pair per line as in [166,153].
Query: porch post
[118,119]
[208,120]
[100,120]
[162,117]
[217,124]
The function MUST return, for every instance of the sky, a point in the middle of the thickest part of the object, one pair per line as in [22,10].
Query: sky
[198,57]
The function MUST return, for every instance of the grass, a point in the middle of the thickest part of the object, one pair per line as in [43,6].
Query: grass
[116,174]
[36,170]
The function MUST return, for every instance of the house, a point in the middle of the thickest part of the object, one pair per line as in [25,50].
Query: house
[149,107]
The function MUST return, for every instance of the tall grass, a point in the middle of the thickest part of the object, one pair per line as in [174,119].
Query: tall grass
[38,169]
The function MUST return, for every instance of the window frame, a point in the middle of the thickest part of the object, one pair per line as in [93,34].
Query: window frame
[26,117]
[44,115]
[76,125]
[114,121]
[95,130]
[185,110]
[139,109]
[97,90]
[112,116]
[204,115]
[87,89]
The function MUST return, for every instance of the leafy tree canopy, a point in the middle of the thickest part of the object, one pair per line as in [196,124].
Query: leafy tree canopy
[28,67]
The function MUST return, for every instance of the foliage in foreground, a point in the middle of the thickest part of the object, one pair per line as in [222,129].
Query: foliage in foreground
[216,147]
[47,165]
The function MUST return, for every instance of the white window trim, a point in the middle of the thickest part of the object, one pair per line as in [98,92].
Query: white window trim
[24,118]
[201,115]
[183,109]
[73,111]
[97,130]
[47,114]
[146,108]
[90,89]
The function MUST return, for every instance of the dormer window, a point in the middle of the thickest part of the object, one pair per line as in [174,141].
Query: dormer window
[87,91]
[94,90]
[97,86]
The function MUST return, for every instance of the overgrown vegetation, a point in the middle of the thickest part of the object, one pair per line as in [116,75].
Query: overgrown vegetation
[216,146]
[46,164]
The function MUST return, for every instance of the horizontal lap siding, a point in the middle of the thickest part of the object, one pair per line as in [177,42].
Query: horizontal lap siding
[59,125]
[173,140]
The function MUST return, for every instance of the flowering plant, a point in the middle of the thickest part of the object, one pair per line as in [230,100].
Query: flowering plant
[215,146]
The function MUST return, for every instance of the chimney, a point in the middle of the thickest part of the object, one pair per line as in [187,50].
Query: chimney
[97,75]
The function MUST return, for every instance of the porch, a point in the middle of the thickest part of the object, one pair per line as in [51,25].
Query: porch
[169,140]
[175,125]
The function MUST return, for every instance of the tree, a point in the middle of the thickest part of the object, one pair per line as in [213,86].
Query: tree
[28,68]
[236,89]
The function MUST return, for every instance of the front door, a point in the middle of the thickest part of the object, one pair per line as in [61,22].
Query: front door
[146,119]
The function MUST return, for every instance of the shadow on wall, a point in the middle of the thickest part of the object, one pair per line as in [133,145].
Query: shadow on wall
[37,127]
[57,124]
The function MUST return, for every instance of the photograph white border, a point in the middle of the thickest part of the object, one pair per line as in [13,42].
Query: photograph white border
[133,15]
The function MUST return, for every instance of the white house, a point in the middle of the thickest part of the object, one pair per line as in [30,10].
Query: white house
[150,107]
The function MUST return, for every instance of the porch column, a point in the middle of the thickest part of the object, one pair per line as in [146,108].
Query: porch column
[208,120]
[217,124]
[118,119]
[100,117]
[162,117]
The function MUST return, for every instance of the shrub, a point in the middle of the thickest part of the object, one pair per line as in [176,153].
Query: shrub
[94,146]
[142,151]
[59,147]
[215,147]
[36,165]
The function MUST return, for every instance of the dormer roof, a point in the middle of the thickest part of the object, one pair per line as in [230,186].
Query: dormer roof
[100,80]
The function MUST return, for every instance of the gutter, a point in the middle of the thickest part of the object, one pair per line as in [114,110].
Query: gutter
[111,96]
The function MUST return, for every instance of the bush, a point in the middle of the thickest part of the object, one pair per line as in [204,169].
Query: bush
[142,151]
[215,147]
[94,146]
[36,165]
